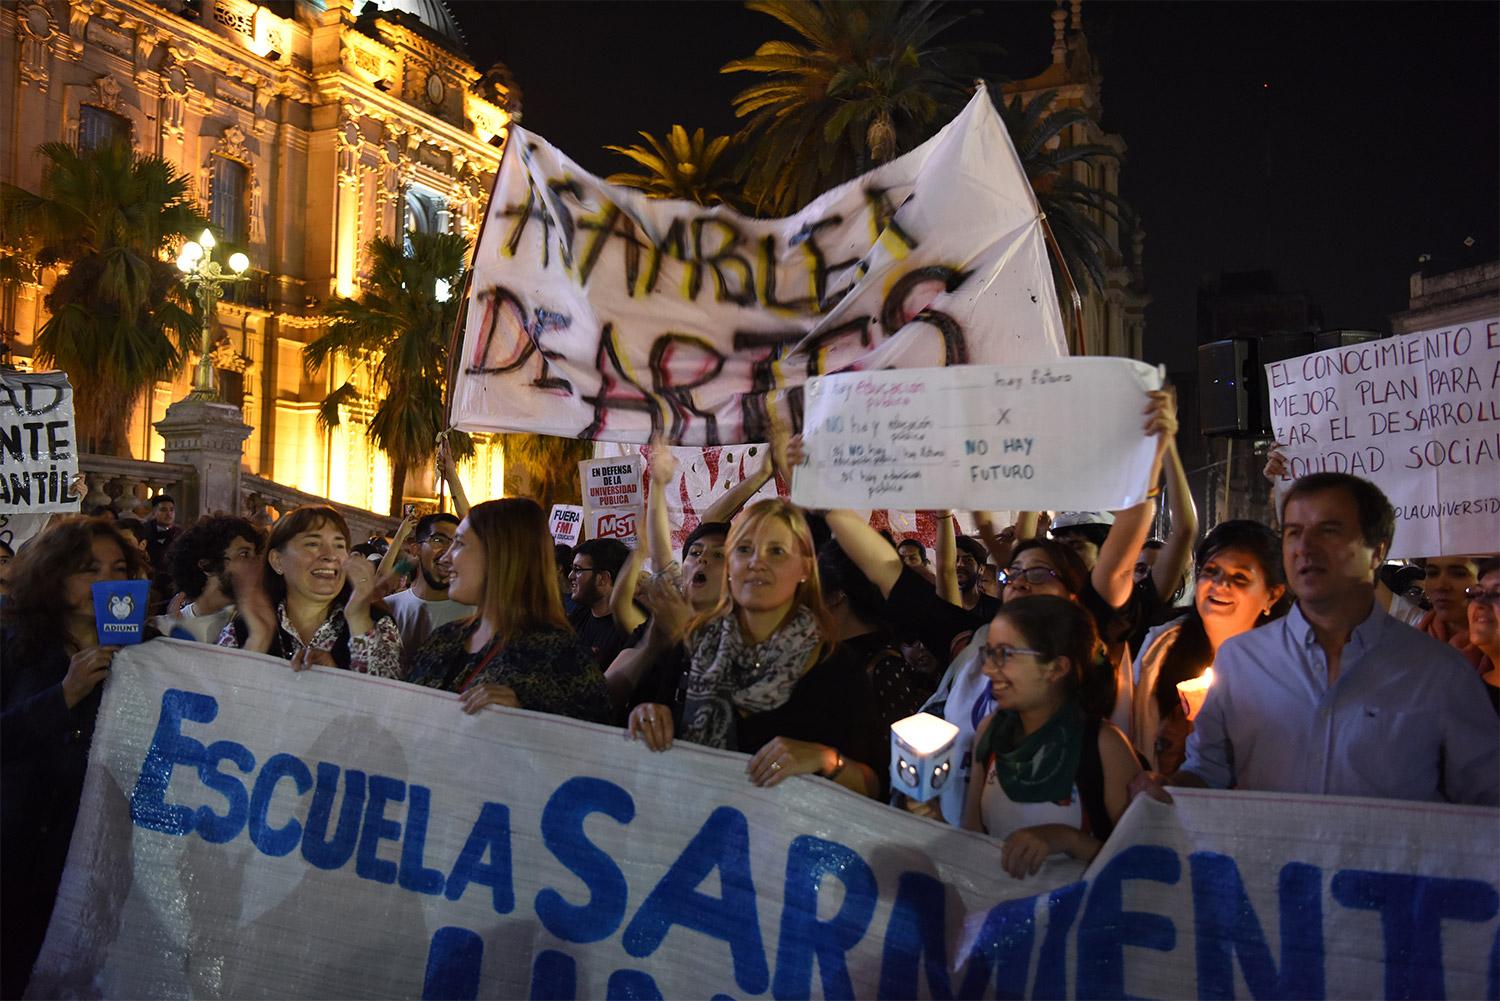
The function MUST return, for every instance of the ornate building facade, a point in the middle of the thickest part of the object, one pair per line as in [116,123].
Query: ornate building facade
[308,128]
[1114,318]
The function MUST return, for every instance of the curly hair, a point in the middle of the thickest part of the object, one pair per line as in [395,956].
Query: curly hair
[205,542]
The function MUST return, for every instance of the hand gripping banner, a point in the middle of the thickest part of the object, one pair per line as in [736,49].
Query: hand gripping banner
[247,832]
[597,312]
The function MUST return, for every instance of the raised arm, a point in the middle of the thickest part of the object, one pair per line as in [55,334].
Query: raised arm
[1173,558]
[737,496]
[658,528]
[403,532]
[998,544]
[1114,573]
[866,547]
[622,599]
[449,468]
[945,560]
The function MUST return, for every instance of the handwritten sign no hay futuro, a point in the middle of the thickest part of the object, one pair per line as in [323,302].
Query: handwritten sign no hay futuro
[599,313]
[38,450]
[1418,415]
[1064,434]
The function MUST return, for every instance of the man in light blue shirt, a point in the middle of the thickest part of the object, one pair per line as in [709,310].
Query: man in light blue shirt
[1338,698]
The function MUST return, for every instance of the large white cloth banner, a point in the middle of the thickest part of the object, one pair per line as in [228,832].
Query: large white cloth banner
[597,312]
[247,832]
[1418,415]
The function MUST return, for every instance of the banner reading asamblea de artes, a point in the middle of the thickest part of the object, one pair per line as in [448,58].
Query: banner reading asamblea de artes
[597,312]
[250,832]
[38,443]
[1418,415]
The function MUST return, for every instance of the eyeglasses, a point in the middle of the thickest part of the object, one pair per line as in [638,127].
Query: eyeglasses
[1492,597]
[1031,575]
[438,541]
[578,569]
[1000,655]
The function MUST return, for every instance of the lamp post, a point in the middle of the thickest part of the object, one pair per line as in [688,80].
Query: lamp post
[207,278]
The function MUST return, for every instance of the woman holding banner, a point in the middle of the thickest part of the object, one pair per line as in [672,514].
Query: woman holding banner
[50,690]
[518,649]
[1052,774]
[759,676]
[1240,585]
[310,601]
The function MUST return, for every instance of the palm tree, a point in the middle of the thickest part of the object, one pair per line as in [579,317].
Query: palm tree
[693,168]
[399,328]
[544,467]
[120,318]
[867,81]
[1072,207]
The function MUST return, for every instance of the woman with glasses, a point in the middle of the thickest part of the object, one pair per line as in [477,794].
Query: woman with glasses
[517,650]
[1240,585]
[1054,774]
[759,677]
[1484,625]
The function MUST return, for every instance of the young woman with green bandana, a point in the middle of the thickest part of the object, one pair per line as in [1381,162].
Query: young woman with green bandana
[1055,772]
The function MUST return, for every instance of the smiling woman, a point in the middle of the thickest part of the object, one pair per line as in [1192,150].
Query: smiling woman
[309,601]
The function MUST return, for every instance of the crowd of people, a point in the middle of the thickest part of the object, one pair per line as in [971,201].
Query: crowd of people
[1055,646]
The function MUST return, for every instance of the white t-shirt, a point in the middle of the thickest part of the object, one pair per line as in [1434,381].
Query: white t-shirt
[416,617]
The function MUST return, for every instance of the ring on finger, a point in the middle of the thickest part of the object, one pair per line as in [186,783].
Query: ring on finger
[775,766]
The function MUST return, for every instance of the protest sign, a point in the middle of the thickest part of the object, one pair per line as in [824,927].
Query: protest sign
[1062,435]
[38,450]
[598,312]
[611,482]
[623,523]
[1417,415]
[250,832]
[704,475]
[567,523]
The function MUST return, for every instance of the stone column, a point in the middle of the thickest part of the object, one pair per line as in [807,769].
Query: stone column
[209,437]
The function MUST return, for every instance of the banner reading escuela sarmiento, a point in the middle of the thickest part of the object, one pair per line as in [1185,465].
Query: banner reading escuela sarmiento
[597,312]
[250,832]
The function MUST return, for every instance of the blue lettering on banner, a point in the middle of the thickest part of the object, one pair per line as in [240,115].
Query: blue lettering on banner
[490,835]
[723,843]
[562,832]
[317,847]
[414,875]
[169,748]
[918,930]
[1063,905]
[454,961]
[554,976]
[631,985]
[281,840]
[1412,910]
[805,938]
[1225,925]
[213,827]
[1106,928]
[377,828]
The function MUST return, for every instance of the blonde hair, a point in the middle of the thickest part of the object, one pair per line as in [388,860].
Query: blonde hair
[809,592]
[520,577]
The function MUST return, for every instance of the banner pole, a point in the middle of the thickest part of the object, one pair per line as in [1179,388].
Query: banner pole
[1074,297]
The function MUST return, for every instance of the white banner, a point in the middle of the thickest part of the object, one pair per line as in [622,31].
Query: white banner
[249,832]
[1062,435]
[611,482]
[1418,415]
[566,523]
[597,312]
[38,443]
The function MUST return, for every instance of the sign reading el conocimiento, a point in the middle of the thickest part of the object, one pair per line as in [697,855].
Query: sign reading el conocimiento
[250,832]
[38,443]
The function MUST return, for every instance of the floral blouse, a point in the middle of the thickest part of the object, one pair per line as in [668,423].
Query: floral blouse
[376,652]
[549,670]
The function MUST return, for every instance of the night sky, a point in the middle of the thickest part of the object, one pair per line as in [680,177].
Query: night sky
[1333,143]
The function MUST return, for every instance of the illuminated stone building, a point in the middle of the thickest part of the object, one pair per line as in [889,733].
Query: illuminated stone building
[307,127]
[1114,318]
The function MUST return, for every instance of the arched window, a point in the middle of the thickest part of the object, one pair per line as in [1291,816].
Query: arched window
[227,208]
[97,127]
[424,213]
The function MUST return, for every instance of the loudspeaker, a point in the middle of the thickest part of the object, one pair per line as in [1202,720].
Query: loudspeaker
[1227,373]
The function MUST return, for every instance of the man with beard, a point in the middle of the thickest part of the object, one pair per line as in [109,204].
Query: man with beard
[200,562]
[971,556]
[425,605]
[596,566]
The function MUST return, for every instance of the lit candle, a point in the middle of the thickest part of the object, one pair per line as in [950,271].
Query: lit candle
[1193,691]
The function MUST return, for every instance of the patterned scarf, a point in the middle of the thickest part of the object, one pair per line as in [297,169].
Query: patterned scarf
[1041,767]
[728,677]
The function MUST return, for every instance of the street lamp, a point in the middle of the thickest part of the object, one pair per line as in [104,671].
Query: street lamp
[207,278]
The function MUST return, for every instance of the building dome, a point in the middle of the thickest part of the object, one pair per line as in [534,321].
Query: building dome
[434,15]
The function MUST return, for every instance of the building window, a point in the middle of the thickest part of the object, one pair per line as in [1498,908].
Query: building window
[232,386]
[97,127]
[425,213]
[226,207]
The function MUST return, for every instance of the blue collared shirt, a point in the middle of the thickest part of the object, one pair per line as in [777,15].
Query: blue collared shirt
[1408,717]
